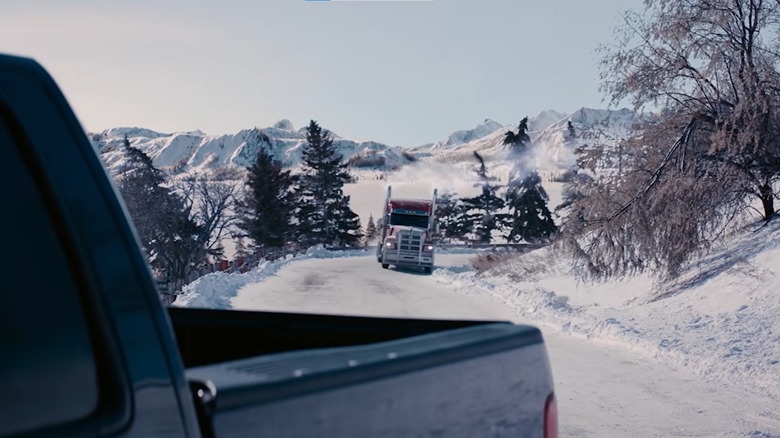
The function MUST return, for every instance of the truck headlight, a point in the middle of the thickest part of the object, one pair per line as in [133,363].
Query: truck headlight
[429,248]
[389,244]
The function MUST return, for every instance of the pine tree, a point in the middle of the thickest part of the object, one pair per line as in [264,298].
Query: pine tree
[323,215]
[522,131]
[162,218]
[509,138]
[139,185]
[531,219]
[371,230]
[571,134]
[266,209]
[518,142]
[483,215]
[451,217]
[348,231]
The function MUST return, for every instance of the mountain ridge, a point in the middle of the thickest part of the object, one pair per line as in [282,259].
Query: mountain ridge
[186,151]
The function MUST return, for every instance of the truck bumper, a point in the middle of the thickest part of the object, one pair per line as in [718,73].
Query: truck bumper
[394,258]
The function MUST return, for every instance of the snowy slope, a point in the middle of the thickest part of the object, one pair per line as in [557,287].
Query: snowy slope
[544,119]
[458,138]
[721,319]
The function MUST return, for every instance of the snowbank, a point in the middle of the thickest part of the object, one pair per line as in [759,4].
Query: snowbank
[214,291]
[721,319]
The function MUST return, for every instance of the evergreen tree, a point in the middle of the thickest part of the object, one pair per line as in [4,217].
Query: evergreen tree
[522,137]
[266,209]
[571,134]
[161,217]
[531,219]
[509,138]
[483,215]
[371,229]
[518,142]
[451,217]
[323,215]
[139,183]
[348,231]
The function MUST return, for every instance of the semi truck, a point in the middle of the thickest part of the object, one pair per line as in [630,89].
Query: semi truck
[89,350]
[407,230]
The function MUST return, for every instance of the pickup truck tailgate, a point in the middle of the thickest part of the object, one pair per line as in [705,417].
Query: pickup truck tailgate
[485,380]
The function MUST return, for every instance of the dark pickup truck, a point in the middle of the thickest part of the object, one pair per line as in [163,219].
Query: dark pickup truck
[87,348]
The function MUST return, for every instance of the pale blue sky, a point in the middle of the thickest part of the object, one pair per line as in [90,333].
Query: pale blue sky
[403,73]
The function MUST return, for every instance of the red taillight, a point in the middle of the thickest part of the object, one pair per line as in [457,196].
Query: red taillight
[551,417]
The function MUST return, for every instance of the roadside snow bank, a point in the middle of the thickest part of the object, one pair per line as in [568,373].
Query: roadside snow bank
[215,290]
[721,319]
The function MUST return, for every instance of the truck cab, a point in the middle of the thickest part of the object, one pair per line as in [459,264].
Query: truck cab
[407,229]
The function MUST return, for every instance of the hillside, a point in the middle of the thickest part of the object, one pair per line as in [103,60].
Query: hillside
[721,318]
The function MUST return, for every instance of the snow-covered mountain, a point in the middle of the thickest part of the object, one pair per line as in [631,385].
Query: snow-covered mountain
[544,119]
[549,132]
[591,126]
[458,138]
[195,150]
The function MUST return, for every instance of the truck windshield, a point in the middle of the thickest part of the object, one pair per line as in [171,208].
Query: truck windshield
[409,220]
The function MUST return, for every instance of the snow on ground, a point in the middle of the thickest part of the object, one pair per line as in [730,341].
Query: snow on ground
[721,319]
[215,290]
[604,389]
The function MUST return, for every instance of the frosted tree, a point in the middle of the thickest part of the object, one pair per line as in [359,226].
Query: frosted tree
[714,148]
[483,212]
[530,218]
[371,230]
[451,217]
[571,134]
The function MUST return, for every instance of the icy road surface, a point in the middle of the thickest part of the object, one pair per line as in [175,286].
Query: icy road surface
[602,391]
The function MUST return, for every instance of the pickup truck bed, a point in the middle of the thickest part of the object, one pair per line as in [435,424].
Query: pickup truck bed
[323,361]
[201,334]
[89,349]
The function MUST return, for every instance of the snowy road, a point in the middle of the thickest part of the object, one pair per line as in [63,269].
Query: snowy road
[602,391]
[359,286]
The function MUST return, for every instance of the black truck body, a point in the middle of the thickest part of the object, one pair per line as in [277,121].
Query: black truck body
[89,350]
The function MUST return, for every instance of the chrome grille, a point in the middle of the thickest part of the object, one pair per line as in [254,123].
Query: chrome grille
[410,241]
